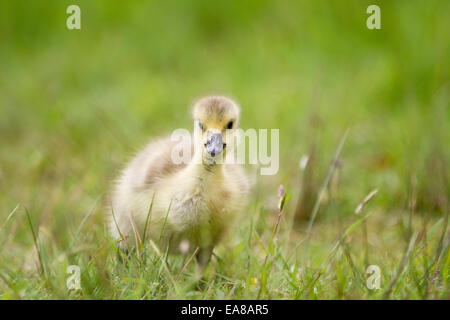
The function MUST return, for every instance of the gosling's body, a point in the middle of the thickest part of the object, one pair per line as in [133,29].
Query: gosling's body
[196,201]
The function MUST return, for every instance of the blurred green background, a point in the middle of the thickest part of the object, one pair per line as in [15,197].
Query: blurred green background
[76,104]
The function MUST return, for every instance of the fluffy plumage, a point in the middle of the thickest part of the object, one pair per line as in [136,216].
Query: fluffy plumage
[204,196]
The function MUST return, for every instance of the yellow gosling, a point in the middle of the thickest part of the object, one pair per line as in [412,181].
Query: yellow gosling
[194,203]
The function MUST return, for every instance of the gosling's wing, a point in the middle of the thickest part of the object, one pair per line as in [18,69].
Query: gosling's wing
[154,163]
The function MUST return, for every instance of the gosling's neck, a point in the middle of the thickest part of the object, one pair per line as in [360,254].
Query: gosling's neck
[205,170]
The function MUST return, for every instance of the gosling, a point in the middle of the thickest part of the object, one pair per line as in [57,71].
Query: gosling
[193,204]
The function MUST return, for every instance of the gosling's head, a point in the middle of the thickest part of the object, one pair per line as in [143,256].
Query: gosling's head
[215,119]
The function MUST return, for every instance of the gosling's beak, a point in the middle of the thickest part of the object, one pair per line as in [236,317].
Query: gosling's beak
[214,145]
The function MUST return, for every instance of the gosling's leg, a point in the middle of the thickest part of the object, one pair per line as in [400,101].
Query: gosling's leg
[203,257]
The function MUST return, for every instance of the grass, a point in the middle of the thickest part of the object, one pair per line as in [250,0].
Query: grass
[75,105]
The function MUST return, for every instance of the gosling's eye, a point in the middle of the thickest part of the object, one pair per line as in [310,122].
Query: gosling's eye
[230,125]
[200,125]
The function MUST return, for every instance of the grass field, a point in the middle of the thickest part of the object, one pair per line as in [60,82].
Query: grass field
[76,104]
